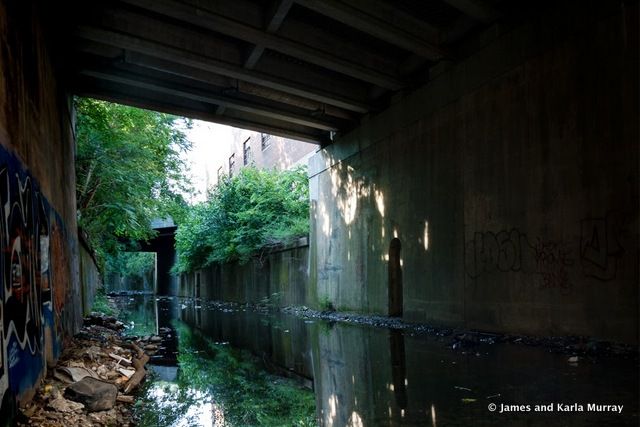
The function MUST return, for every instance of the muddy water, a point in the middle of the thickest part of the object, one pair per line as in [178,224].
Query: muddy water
[216,362]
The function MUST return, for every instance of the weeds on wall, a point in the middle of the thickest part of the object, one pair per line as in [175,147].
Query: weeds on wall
[326,304]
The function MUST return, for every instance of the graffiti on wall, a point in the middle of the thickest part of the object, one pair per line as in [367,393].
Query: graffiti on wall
[30,312]
[600,248]
[513,251]
[600,251]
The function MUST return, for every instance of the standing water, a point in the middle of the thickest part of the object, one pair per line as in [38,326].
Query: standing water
[219,366]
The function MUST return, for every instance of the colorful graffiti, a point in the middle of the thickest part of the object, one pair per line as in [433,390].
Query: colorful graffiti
[31,237]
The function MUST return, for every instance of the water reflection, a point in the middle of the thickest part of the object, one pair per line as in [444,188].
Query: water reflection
[171,404]
[398,368]
[365,376]
[139,312]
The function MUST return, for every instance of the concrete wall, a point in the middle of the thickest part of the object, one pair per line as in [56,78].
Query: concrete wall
[40,298]
[283,273]
[511,180]
[90,278]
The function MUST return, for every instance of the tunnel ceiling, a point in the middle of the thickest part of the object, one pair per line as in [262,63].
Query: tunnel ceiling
[305,69]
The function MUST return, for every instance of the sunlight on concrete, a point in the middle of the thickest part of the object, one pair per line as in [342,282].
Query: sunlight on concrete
[379,202]
[426,236]
[326,222]
[333,408]
[355,420]
[433,415]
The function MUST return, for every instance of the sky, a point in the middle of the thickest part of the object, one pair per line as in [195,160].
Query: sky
[211,144]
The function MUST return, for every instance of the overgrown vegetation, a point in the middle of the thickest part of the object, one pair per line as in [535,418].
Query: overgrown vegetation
[136,269]
[244,215]
[131,263]
[101,304]
[128,171]
[233,379]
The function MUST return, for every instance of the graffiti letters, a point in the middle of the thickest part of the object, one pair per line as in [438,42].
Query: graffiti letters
[600,248]
[29,311]
[552,262]
[511,251]
[494,252]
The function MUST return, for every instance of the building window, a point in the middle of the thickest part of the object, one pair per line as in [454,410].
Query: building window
[246,150]
[232,163]
[265,140]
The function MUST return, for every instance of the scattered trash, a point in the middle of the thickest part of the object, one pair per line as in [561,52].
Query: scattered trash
[63,405]
[120,359]
[127,372]
[93,380]
[493,396]
[461,388]
[76,373]
[468,400]
[573,359]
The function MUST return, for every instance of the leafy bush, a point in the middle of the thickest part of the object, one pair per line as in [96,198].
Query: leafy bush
[244,215]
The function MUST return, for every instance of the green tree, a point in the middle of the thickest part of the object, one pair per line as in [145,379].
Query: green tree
[128,171]
[244,215]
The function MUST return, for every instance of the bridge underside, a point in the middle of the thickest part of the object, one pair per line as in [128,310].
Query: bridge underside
[479,168]
[472,134]
[305,69]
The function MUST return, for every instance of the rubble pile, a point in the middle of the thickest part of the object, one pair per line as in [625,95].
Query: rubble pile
[95,379]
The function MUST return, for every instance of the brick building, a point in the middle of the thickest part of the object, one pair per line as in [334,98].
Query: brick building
[263,151]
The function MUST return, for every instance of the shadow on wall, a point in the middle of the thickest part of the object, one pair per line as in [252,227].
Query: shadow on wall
[34,266]
[395,279]
[356,233]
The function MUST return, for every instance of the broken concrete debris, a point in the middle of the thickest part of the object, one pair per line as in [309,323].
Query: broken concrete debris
[94,394]
[94,380]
